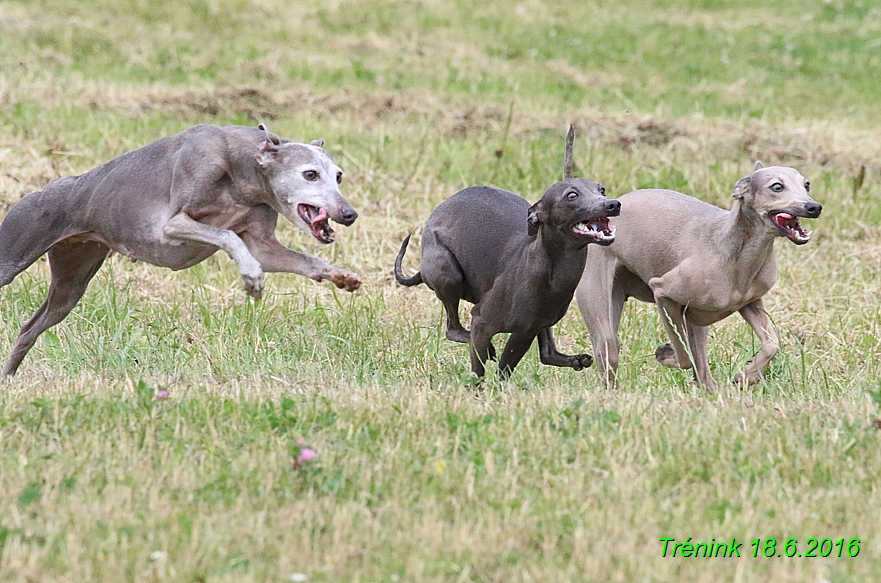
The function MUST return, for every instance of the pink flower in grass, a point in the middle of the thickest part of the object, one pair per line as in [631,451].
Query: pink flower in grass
[306,455]
[162,394]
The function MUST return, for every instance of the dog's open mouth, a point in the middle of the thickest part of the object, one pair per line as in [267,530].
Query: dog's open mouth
[788,225]
[316,218]
[597,230]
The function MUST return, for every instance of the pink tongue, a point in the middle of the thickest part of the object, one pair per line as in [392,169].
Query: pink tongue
[321,216]
[783,218]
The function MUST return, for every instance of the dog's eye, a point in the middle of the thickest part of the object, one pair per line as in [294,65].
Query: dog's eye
[571,195]
[310,175]
[777,187]
[807,186]
[339,177]
[603,190]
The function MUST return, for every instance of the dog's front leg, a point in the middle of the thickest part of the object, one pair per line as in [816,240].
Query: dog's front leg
[515,348]
[181,227]
[275,257]
[756,316]
[549,355]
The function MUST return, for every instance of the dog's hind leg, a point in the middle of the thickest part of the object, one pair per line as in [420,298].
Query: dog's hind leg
[549,354]
[73,267]
[601,300]
[675,353]
[441,271]
[481,343]
[455,330]
[16,254]
[11,266]
[31,227]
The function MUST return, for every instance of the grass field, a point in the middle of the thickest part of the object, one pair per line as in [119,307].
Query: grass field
[545,478]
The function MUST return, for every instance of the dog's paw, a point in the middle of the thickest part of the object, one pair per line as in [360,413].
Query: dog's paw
[744,380]
[344,279]
[666,356]
[253,284]
[463,336]
[580,361]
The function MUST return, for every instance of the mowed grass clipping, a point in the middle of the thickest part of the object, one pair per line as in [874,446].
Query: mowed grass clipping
[153,435]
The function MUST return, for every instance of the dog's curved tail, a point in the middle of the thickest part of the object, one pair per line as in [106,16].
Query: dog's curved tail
[399,272]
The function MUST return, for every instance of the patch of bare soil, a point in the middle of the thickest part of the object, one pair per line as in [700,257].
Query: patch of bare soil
[651,132]
[259,105]
[820,144]
[845,148]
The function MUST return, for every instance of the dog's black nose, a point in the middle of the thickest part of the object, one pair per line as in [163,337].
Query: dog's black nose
[612,208]
[813,209]
[348,217]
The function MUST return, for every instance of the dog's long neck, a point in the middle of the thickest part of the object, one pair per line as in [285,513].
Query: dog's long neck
[557,260]
[746,242]
[249,181]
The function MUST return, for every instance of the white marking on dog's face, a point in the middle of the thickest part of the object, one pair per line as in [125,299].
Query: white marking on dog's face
[303,174]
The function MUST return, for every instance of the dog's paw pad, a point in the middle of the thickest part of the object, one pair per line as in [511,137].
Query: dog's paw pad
[344,279]
[581,361]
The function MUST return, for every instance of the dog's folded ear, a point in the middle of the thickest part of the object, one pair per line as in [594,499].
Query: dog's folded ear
[745,185]
[319,142]
[534,217]
[742,187]
[268,148]
[271,138]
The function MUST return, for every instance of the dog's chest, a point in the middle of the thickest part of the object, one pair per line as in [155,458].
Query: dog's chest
[722,298]
[719,286]
[749,283]
[533,310]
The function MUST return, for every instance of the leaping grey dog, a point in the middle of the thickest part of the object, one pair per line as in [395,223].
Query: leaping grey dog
[519,264]
[174,203]
[699,264]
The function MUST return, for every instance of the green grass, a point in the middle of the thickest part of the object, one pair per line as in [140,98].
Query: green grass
[545,478]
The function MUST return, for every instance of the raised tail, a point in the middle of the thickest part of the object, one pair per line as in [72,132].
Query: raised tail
[399,273]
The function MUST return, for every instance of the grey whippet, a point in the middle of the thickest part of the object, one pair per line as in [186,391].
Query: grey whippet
[174,203]
[519,264]
[698,263]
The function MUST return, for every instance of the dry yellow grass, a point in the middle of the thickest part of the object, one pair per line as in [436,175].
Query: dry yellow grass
[547,478]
